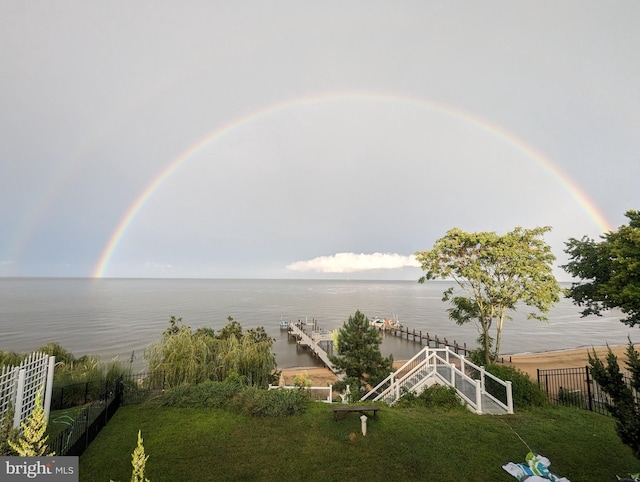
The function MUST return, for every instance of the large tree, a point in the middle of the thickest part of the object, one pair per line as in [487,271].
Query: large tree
[359,357]
[495,274]
[187,357]
[609,271]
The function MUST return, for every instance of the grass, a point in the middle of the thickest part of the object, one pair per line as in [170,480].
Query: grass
[402,444]
[59,420]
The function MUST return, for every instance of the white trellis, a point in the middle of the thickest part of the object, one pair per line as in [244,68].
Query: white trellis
[19,386]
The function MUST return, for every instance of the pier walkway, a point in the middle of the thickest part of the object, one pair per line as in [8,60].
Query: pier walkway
[312,343]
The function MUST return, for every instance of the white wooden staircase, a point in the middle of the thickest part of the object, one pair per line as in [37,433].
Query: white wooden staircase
[481,391]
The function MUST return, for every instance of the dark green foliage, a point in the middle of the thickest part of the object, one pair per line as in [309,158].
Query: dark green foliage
[610,278]
[359,356]
[232,328]
[255,402]
[609,271]
[625,405]
[234,394]
[526,392]
[208,394]
[7,432]
[435,396]
[571,398]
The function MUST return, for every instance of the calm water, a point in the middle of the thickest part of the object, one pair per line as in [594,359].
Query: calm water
[115,317]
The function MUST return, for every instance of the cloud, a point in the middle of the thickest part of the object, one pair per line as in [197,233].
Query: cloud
[160,266]
[352,263]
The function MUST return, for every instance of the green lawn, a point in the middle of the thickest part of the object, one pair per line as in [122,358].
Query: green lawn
[403,444]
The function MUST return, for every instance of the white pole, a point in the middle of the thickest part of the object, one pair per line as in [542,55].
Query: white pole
[17,417]
[478,397]
[48,391]
[509,398]
[363,419]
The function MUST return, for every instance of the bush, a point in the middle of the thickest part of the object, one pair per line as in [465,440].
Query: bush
[207,394]
[435,396]
[526,392]
[570,398]
[271,403]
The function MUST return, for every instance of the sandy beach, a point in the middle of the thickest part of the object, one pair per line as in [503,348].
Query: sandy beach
[529,363]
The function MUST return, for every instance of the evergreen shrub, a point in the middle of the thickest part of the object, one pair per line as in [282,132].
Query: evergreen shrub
[435,396]
[526,392]
[570,398]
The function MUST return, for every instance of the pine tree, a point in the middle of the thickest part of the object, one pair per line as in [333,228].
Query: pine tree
[32,442]
[359,356]
[625,404]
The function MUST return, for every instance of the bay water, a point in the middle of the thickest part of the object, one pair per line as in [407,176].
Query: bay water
[121,317]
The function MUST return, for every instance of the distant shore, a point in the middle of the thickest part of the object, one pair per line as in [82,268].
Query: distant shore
[529,363]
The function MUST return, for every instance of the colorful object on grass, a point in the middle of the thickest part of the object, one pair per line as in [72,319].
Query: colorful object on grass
[631,478]
[535,470]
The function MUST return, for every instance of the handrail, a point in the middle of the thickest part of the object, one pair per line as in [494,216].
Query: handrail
[424,365]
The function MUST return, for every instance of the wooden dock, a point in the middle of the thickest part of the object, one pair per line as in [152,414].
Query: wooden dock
[312,343]
[425,339]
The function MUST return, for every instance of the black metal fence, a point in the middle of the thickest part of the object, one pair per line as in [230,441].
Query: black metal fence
[574,387]
[97,407]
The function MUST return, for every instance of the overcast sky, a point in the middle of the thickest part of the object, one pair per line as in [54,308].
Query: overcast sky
[307,139]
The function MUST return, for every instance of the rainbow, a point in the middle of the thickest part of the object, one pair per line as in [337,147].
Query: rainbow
[501,134]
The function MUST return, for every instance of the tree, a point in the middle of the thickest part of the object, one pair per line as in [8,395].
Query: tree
[494,274]
[625,405]
[32,442]
[359,356]
[187,357]
[609,271]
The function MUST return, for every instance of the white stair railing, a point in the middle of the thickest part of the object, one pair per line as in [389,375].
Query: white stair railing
[445,367]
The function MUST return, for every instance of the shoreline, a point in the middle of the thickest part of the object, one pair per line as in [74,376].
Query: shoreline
[529,363]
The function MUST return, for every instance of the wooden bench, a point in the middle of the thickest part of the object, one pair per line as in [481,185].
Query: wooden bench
[355,408]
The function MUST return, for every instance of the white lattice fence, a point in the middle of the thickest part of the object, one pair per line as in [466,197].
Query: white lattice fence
[19,386]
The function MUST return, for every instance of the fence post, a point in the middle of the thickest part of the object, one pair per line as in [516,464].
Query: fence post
[586,369]
[478,398]
[48,391]
[509,397]
[17,417]
[86,427]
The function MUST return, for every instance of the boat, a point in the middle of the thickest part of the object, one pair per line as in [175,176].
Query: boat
[385,323]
